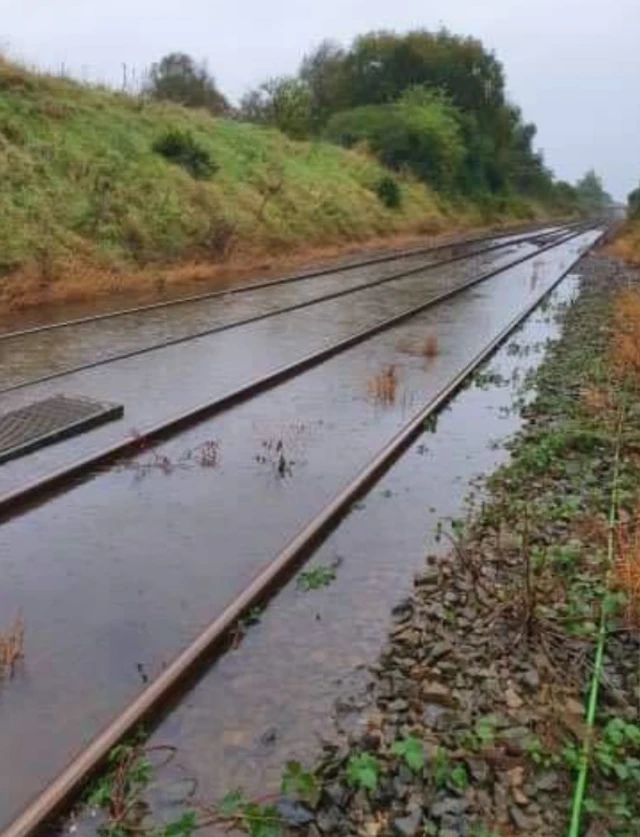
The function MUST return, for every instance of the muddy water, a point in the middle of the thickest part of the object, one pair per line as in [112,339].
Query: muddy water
[114,577]
[156,386]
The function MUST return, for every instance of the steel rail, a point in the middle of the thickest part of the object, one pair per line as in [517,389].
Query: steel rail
[132,445]
[12,501]
[62,790]
[268,283]
[175,341]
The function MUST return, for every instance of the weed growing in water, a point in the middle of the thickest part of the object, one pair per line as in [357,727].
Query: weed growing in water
[430,346]
[11,646]
[205,455]
[315,578]
[274,454]
[382,387]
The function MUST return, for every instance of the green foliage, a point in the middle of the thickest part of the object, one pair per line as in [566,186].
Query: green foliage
[83,188]
[363,771]
[422,136]
[591,195]
[411,750]
[388,190]
[232,802]
[633,203]
[256,819]
[181,148]
[183,825]
[379,70]
[282,102]
[459,777]
[314,578]
[120,793]
[441,767]
[178,78]
[295,779]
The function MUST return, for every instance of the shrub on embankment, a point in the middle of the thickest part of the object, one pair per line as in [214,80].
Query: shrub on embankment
[627,242]
[96,185]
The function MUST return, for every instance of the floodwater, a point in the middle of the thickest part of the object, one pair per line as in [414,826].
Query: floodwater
[37,355]
[155,386]
[44,314]
[303,668]
[115,576]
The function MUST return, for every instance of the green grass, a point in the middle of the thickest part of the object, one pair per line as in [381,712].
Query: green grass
[83,189]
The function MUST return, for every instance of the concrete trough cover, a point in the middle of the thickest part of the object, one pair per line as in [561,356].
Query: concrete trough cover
[44,422]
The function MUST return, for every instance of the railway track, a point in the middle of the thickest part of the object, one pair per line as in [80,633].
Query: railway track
[467,252]
[14,500]
[395,255]
[62,790]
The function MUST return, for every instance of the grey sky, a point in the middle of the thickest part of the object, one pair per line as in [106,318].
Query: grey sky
[572,65]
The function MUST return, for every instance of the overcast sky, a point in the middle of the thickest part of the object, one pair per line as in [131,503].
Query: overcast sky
[572,65]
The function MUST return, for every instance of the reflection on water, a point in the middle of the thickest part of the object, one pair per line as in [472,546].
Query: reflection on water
[117,575]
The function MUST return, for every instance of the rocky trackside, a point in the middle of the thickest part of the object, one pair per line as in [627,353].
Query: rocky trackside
[475,720]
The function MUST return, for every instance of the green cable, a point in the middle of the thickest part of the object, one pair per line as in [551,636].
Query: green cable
[583,772]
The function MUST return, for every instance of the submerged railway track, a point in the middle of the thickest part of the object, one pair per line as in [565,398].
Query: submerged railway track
[25,500]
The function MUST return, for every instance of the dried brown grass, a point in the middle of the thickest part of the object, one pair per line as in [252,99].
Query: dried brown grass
[596,401]
[11,646]
[430,346]
[382,387]
[626,572]
[625,342]
[82,279]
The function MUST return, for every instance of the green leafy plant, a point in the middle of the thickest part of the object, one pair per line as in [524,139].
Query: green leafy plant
[388,190]
[295,779]
[441,767]
[258,820]
[363,771]
[485,731]
[459,777]
[411,750]
[181,148]
[315,578]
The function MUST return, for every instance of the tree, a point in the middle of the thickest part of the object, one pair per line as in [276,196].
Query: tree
[633,202]
[420,132]
[591,194]
[323,72]
[283,102]
[179,78]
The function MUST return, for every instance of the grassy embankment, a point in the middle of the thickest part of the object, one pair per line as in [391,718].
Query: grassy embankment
[89,209]
[627,243]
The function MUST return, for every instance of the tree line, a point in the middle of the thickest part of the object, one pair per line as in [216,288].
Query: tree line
[432,103]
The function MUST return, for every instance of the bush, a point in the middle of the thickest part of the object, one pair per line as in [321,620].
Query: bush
[423,137]
[182,148]
[633,202]
[388,190]
[178,78]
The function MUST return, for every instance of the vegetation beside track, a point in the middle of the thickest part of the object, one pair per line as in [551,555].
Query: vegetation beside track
[492,662]
[479,720]
[627,243]
[104,192]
